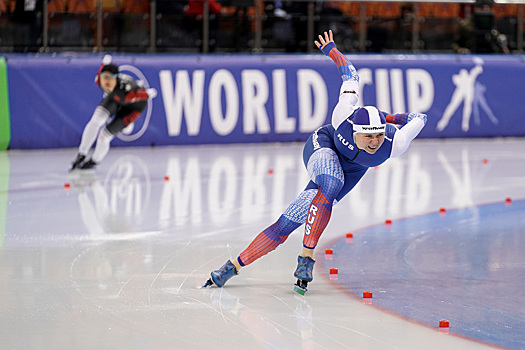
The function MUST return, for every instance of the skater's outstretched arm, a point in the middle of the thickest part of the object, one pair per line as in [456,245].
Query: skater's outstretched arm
[404,118]
[345,67]
[412,124]
[349,92]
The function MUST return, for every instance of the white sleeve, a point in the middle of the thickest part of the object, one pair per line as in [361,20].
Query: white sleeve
[405,135]
[348,97]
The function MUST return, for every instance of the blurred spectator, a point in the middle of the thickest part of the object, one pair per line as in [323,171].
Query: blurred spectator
[196,7]
[27,11]
[326,15]
[277,26]
[242,31]
[194,12]
[171,27]
[406,24]
[331,16]
[27,24]
[478,33]
[171,6]
[377,35]
[298,11]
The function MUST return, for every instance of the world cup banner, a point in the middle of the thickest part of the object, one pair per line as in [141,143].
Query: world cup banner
[214,99]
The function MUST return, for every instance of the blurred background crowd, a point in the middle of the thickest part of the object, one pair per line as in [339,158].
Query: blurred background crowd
[257,26]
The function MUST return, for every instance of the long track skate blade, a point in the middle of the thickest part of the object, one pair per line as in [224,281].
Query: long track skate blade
[300,287]
[299,290]
[208,283]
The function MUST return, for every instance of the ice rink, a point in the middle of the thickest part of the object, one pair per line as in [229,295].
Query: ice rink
[114,258]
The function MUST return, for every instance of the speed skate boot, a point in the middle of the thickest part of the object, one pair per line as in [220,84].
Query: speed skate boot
[77,162]
[303,273]
[90,164]
[221,276]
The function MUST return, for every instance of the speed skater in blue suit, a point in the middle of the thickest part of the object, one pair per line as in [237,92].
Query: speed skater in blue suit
[336,157]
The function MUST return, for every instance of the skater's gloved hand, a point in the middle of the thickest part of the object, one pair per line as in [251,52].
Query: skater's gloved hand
[107,59]
[417,115]
[152,93]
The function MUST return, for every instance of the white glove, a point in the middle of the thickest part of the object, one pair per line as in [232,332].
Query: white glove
[152,93]
[107,59]
[421,116]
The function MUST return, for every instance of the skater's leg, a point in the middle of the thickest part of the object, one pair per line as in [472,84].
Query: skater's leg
[102,147]
[89,135]
[267,240]
[122,119]
[326,171]
[318,216]
[271,237]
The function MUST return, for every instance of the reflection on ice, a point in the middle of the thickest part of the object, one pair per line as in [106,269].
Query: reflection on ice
[210,187]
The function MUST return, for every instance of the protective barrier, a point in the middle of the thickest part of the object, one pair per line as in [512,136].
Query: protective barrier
[262,98]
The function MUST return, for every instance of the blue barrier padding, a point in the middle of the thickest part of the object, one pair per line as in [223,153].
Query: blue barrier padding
[262,98]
